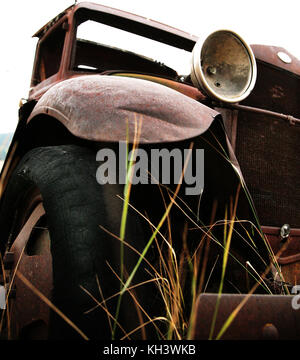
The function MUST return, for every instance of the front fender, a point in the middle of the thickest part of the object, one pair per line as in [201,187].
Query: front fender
[102,108]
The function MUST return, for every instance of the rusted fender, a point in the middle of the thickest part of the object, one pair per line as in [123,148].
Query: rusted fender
[101,107]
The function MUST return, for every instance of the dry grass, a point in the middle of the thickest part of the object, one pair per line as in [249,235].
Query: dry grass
[172,271]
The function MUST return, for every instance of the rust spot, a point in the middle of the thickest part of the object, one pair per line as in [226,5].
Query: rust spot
[277,92]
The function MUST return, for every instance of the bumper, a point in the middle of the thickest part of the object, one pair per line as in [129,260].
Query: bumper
[262,317]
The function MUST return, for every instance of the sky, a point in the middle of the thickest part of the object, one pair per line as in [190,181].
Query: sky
[257,21]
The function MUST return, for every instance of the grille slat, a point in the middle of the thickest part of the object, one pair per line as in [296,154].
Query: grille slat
[268,150]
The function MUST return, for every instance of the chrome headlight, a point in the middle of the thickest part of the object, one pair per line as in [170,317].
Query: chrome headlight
[223,66]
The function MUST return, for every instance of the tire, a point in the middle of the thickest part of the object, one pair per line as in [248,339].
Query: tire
[75,205]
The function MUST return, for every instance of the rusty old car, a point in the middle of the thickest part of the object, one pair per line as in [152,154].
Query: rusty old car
[81,259]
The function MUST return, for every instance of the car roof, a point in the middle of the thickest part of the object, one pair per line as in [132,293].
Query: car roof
[188,40]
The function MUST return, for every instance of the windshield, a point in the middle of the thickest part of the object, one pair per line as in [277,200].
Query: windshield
[101,47]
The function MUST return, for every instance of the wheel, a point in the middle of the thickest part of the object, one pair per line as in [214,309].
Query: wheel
[56,214]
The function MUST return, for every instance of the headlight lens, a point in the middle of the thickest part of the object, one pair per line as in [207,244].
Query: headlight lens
[223,66]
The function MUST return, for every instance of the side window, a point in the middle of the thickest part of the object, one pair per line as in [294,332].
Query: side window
[49,55]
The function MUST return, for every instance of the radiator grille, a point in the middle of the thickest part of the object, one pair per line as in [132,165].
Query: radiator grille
[268,151]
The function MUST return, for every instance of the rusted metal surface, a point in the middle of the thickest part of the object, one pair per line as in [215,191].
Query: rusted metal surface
[53,22]
[140,25]
[267,146]
[27,308]
[184,89]
[289,118]
[287,252]
[289,248]
[269,54]
[102,10]
[103,107]
[100,108]
[270,332]
[263,317]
